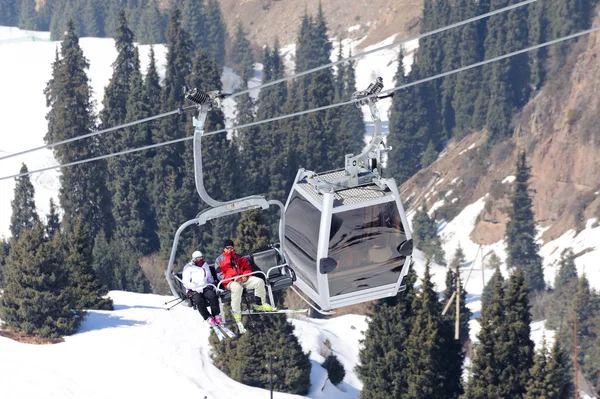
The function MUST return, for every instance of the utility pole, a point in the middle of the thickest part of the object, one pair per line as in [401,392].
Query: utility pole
[271,374]
[457,323]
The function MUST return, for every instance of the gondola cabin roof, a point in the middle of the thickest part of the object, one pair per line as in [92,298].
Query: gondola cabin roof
[344,198]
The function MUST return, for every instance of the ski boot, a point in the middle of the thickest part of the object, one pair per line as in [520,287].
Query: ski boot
[238,321]
[263,308]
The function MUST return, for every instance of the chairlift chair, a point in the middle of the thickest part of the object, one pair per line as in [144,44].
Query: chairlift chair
[269,265]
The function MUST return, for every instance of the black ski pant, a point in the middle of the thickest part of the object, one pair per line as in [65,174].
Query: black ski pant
[209,296]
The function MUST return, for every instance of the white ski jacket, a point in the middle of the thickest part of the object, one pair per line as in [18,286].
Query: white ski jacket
[195,278]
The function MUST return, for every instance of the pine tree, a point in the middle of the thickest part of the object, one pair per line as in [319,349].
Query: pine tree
[92,19]
[565,288]
[104,261]
[429,156]
[428,62]
[584,309]
[353,123]
[252,233]
[467,82]
[87,291]
[426,237]
[58,20]
[431,349]
[252,163]
[28,15]
[384,349]
[500,108]
[487,365]
[335,369]
[307,135]
[558,382]
[150,29]
[271,101]
[35,299]
[44,15]
[241,52]
[128,275]
[8,15]
[216,32]
[536,386]
[538,27]
[168,160]
[4,252]
[134,218]
[170,222]
[488,290]
[152,89]
[52,220]
[565,17]
[116,93]
[193,21]
[406,133]
[68,94]
[517,37]
[24,215]
[246,359]
[494,261]
[515,350]
[111,17]
[520,231]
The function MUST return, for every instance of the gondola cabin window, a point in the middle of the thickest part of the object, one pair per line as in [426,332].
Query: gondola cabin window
[364,242]
[302,220]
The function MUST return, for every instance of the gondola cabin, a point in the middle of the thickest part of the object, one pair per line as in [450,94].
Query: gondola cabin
[346,246]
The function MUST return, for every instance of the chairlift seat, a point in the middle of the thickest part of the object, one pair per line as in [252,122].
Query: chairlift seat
[279,278]
[225,295]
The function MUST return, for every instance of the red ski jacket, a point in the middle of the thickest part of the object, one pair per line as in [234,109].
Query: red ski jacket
[227,269]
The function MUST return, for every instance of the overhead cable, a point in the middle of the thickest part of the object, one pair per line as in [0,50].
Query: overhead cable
[284,79]
[308,111]
[96,133]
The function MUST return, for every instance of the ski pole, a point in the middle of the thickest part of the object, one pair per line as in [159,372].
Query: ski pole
[173,300]
[176,304]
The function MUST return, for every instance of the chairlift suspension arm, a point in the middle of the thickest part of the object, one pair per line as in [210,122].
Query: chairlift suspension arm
[370,158]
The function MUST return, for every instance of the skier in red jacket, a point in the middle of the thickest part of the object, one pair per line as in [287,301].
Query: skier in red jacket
[230,265]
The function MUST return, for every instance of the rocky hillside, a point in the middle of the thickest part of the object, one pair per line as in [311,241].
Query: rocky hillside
[559,131]
[377,19]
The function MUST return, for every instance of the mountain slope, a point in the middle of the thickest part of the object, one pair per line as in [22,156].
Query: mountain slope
[558,130]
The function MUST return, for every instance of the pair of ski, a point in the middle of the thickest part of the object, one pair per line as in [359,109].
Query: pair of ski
[221,331]
[274,311]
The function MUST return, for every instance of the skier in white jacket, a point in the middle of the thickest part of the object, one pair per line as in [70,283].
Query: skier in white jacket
[195,277]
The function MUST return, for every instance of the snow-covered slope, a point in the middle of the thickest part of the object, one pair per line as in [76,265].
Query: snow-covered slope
[139,350]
